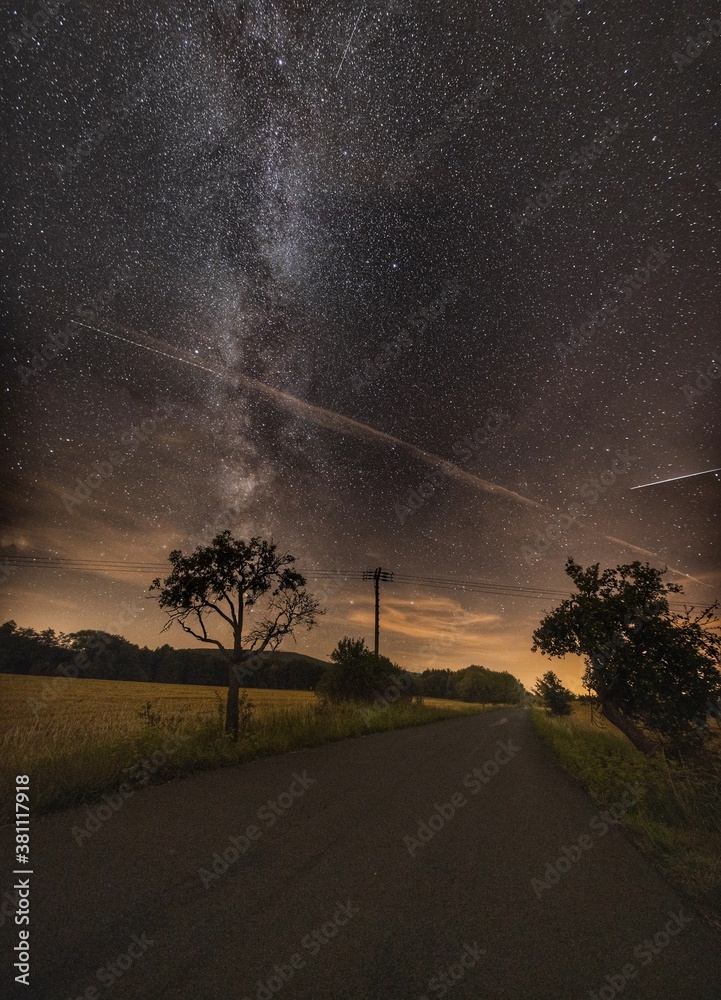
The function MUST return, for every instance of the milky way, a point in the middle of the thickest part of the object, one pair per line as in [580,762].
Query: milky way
[458,266]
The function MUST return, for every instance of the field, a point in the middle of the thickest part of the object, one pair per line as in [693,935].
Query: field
[677,823]
[78,739]
[116,704]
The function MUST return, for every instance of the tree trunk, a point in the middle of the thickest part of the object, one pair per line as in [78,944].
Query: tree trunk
[231,706]
[617,718]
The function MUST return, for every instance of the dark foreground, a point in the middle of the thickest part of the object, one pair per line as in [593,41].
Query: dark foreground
[320,896]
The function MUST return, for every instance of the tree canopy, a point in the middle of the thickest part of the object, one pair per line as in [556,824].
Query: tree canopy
[655,672]
[218,585]
[556,698]
[357,674]
[489,687]
[474,684]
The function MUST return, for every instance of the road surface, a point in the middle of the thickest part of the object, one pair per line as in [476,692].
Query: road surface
[340,884]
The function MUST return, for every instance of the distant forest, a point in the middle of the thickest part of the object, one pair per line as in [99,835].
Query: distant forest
[100,655]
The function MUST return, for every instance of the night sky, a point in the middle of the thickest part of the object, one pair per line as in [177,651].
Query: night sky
[319,271]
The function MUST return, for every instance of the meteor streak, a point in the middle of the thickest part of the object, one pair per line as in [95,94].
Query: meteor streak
[350,40]
[336,421]
[690,475]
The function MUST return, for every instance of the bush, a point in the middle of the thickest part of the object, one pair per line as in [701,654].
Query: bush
[553,694]
[490,687]
[357,674]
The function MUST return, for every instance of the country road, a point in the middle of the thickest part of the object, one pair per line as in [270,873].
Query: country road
[336,885]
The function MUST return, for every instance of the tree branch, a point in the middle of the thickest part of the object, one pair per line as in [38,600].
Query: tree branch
[214,607]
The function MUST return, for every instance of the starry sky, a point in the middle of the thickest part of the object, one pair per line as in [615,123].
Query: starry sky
[319,271]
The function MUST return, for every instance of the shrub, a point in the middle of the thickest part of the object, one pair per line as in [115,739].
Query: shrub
[553,694]
[357,674]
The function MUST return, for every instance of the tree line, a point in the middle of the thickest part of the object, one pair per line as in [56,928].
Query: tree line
[103,656]
[474,683]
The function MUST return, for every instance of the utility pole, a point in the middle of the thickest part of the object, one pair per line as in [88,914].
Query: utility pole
[377,575]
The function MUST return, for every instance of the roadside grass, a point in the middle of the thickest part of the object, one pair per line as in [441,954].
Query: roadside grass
[677,823]
[91,737]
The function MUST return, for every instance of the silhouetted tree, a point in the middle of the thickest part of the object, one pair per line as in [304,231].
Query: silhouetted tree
[654,672]
[556,698]
[357,674]
[105,656]
[218,584]
[437,683]
[25,651]
[489,687]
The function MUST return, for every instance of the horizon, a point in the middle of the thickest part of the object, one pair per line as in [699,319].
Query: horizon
[433,296]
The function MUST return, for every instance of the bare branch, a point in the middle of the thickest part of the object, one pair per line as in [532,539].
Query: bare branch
[214,607]
[202,638]
[293,609]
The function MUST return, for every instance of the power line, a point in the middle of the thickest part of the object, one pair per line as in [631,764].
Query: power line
[60,562]
[115,565]
[511,588]
[493,589]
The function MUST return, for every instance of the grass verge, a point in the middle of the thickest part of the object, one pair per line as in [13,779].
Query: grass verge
[74,755]
[677,823]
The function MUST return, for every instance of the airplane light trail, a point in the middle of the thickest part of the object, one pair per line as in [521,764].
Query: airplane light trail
[316,414]
[690,475]
[337,422]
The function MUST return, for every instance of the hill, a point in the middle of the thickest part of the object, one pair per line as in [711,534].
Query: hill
[102,656]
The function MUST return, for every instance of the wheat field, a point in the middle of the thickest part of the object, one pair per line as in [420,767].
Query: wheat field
[105,706]
[77,738]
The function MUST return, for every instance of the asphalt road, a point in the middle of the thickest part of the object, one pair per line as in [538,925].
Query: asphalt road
[327,888]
